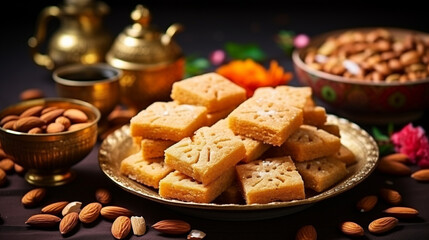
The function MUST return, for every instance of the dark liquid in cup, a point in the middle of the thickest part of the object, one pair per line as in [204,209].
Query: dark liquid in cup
[91,74]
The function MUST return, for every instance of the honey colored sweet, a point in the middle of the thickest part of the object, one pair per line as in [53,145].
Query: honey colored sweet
[182,187]
[270,180]
[314,115]
[146,171]
[262,119]
[308,143]
[345,155]
[295,96]
[168,121]
[154,148]
[210,90]
[320,174]
[206,155]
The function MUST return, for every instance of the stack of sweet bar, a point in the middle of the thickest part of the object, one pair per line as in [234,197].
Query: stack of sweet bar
[210,144]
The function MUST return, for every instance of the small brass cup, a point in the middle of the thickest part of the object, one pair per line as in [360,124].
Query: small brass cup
[48,158]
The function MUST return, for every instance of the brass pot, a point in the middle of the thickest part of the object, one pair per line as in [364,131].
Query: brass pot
[151,61]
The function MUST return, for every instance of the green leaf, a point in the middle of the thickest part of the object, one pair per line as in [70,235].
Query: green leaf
[244,51]
[378,135]
[196,65]
[284,40]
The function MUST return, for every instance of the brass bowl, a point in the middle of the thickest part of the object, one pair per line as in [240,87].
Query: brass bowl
[97,84]
[49,157]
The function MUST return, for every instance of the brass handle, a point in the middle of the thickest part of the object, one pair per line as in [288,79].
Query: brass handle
[34,42]
[171,31]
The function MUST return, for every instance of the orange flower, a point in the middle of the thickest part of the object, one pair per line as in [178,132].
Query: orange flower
[251,75]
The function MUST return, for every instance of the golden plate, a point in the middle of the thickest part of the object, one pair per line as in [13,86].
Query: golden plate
[120,144]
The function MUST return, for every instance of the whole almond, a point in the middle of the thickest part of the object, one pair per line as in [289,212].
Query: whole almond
[138,224]
[78,126]
[382,225]
[52,115]
[351,229]
[54,208]
[35,130]
[32,111]
[64,121]
[90,212]
[72,207]
[112,212]
[393,168]
[18,168]
[43,220]
[31,93]
[3,177]
[172,226]
[69,222]
[367,203]
[103,196]
[421,175]
[8,118]
[307,232]
[397,157]
[26,123]
[391,196]
[7,164]
[75,115]
[10,124]
[55,128]
[121,227]
[402,212]
[33,197]
[2,153]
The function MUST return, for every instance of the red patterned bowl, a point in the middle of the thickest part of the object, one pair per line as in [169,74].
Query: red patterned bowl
[359,100]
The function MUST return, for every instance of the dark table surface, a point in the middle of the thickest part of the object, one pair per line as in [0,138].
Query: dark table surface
[207,27]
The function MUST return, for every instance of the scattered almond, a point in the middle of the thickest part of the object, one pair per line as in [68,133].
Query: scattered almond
[402,212]
[382,225]
[33,197]
[24,124]
[196,235]
[138,224]
[50,116]
[351,229]
[31,93]
[75,115]
[6,119]
[78,126]
[421,175]
[397,157]
[71,207]
[393,168]
[307,232]
[69,222]
[3,177]
[172,226]
[90,212]
[367,203]
[390,196]
[55,128]
[7,164]
[103,196]
[32,111]
[112,212]
[54,208]
[43,220]
[121,227]
[18,168]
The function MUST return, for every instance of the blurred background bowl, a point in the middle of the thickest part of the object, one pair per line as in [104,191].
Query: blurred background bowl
[363,101]
[48,157]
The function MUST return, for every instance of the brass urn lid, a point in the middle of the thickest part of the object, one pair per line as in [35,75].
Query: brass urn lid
[142,46]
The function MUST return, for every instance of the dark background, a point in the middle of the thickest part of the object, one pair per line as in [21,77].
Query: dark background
[208,25]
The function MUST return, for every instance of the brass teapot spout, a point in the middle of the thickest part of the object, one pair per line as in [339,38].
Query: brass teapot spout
[170,32]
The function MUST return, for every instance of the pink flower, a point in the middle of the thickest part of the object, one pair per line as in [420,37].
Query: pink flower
[413,142]
[301,41]
[217,57]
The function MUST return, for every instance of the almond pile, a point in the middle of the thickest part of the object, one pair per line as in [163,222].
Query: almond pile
[46,119]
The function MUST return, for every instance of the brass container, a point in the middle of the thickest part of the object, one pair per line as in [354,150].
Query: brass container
[48,158]
[151,61]
[80,38]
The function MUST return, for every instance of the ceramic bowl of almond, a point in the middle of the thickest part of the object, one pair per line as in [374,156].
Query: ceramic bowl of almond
[370,75]
[48,136]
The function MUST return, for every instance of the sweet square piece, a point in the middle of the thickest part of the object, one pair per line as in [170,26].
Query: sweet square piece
[262,119]
[211,90]
[296,96]
[308,143]
[154,148]
[213,117]
[270,180]
[168,121]
[314,115]
[320,174]
[206,155]
[146,171]
[232,195]
[333,129]
[345,155]
[254,148]
[177,185]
